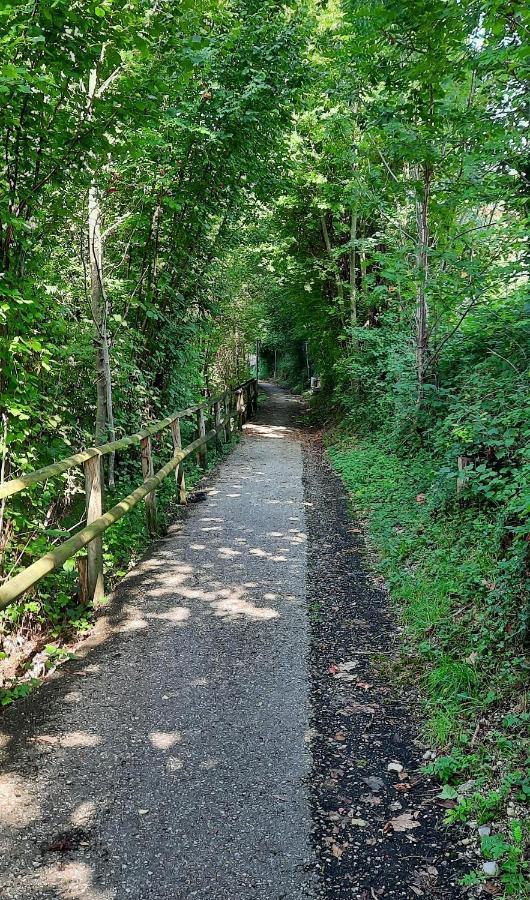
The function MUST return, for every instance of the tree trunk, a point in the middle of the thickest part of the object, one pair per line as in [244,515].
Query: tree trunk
[422,310]
[99,306]
[327,242]
[353,273]
[362,266]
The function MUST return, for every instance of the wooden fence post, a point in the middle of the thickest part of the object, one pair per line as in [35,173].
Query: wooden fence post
[239,407]
[245,402]
[228,413]
[217,424]
[223,414]
[93,468]
[201,427]
[148,472]
[179,471]
[82,570]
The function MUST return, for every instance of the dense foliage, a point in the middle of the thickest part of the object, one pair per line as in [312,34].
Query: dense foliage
[133,135]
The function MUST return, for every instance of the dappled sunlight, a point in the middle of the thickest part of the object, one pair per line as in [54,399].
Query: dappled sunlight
[79,739]
[73,697]
[272,557]
[72,880]
[268,431]
[233,604]
[133,620]
[163,740]
[177,615]
[18,806]
[84,814]
[164,648]
[209,763]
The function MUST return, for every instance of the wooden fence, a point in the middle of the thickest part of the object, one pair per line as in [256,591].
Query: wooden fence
[228,412]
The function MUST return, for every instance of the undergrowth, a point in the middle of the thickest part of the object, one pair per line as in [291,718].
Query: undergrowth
[461,590]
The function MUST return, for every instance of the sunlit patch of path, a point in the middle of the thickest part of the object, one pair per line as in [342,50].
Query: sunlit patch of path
[169,760]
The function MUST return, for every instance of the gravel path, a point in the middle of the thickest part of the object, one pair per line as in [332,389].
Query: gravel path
[214,737]
[170,762]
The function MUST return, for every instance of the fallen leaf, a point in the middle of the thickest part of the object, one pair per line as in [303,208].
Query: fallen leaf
[375,784]
[420,498]
[395,767]
[404,822]
[491,888]
[358,708]
[340,736]
[445,804]
[359,823]
[347,666]
[333,669]
[403,786]
[337,850]
[143,812]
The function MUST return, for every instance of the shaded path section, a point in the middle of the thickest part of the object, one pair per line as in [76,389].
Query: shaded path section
[169,762]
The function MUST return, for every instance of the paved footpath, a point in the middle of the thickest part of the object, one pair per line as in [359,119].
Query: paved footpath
[223,734]
[169,763]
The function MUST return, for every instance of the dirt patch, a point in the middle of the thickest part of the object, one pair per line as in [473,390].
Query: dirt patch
[378,828]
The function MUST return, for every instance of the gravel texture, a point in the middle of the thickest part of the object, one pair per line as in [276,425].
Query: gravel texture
[378,829]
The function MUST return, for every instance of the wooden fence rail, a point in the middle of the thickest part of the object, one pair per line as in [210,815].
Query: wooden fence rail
[238,404]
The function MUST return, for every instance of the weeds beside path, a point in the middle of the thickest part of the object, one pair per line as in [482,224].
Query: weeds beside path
[455,593]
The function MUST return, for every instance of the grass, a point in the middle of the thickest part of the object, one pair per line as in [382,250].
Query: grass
[458,592]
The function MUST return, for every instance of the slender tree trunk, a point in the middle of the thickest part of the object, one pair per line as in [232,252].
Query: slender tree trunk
[353,272]
[327,242]
[99,307]
[422,310]
[362,267]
